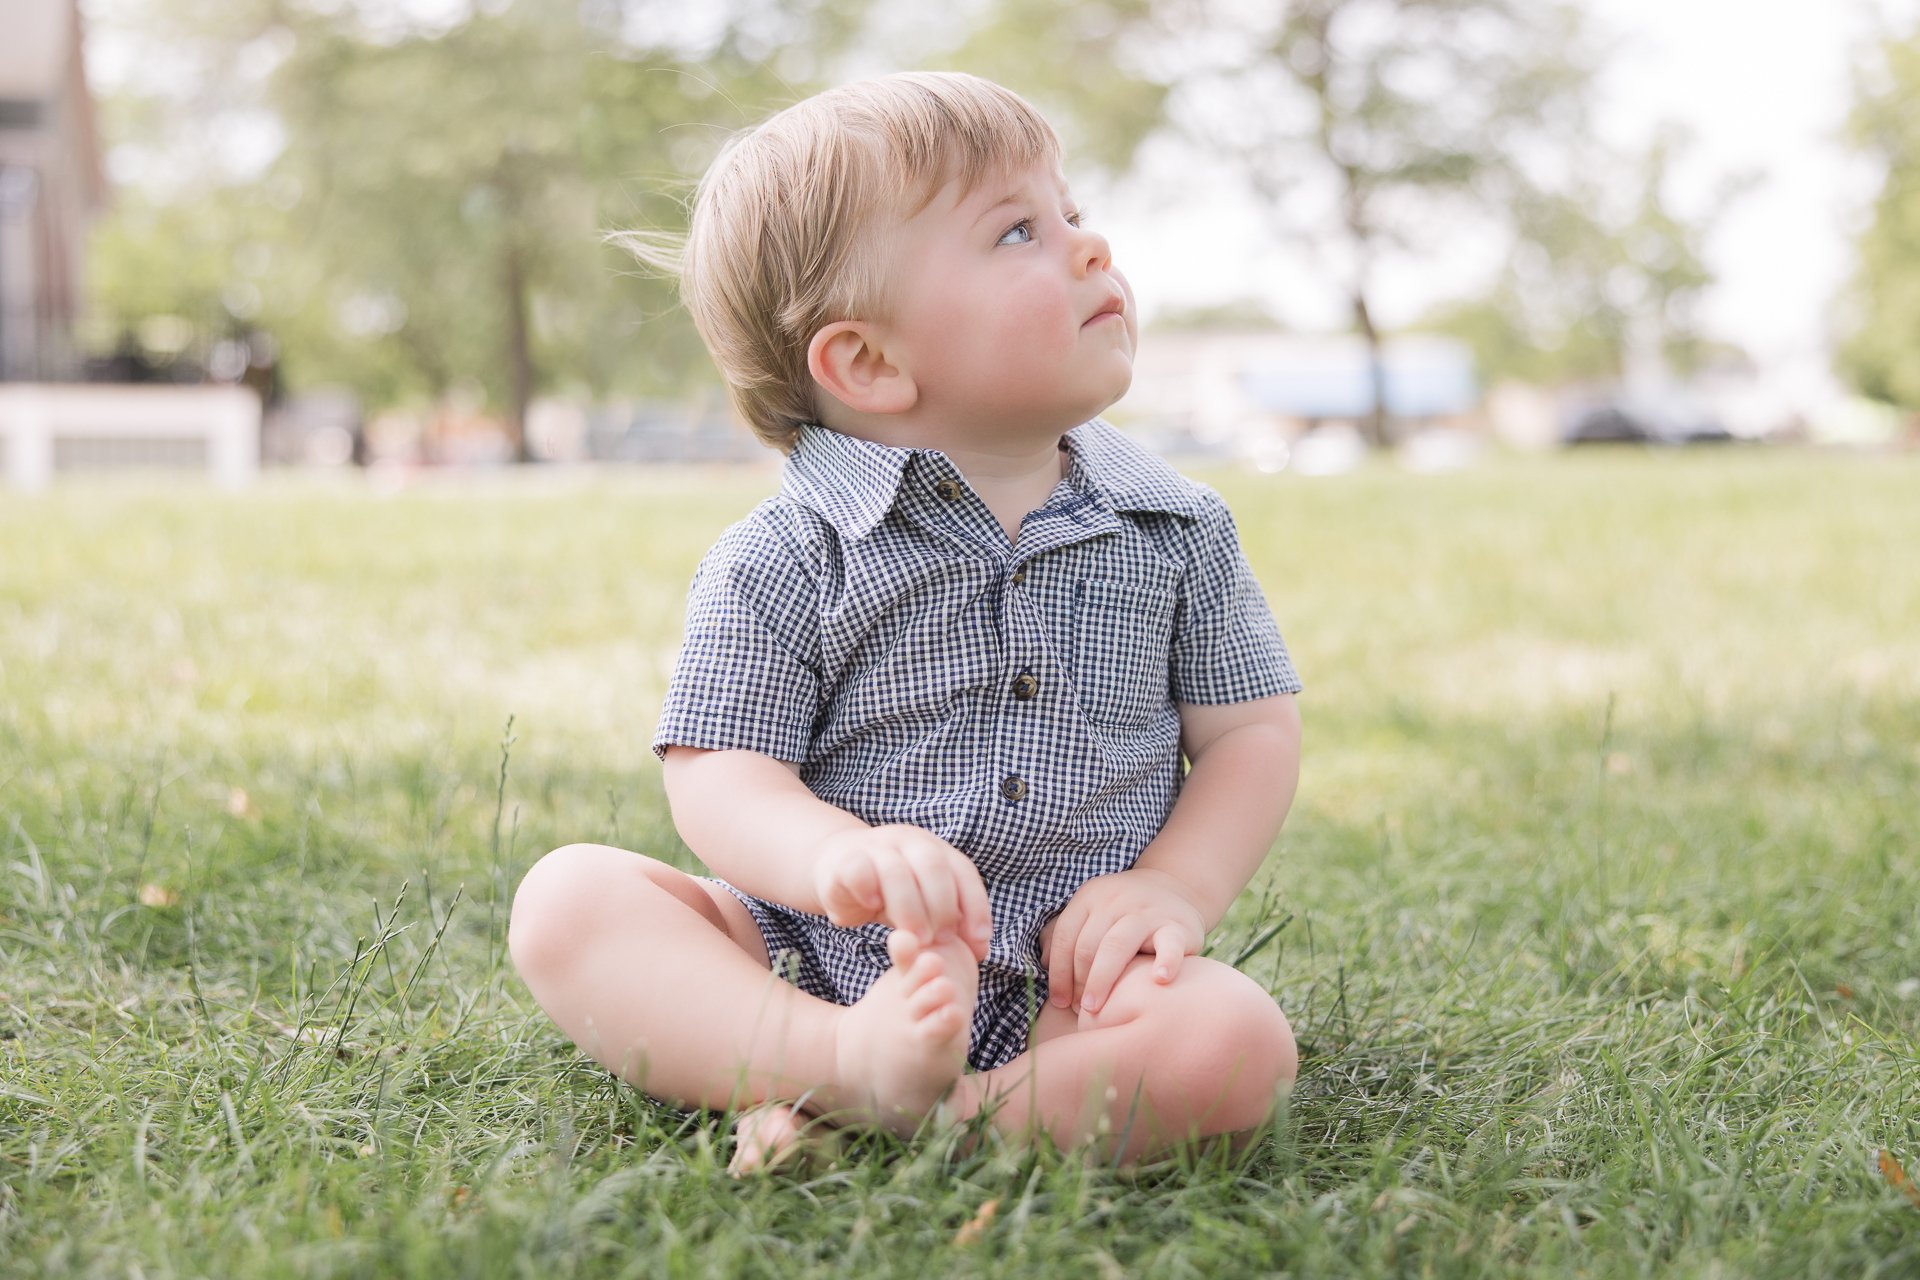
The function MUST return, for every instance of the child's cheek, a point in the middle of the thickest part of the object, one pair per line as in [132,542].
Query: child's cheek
[1039,331]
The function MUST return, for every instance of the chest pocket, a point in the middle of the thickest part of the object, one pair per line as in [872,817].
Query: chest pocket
[1120,639]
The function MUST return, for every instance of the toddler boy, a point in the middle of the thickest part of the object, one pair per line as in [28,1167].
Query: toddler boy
[928,721]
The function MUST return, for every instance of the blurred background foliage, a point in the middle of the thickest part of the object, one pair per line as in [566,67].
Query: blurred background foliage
[1605,267]
[423,215]
[1881,354]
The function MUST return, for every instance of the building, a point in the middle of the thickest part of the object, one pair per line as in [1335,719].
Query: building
[1237,392]
[51,186]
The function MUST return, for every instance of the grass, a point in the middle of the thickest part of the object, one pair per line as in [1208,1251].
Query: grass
[1604,886]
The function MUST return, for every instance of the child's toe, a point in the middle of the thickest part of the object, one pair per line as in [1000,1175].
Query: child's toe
[935,994]
[938,1024]
[764,1138]
[904,948]
[928,968]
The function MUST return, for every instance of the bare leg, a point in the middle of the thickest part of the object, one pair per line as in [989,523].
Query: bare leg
[1156,1066]
[666,983]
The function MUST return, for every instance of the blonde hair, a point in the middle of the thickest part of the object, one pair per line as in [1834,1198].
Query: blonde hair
[783,237]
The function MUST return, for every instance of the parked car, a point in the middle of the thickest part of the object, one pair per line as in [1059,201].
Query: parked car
[1644,420]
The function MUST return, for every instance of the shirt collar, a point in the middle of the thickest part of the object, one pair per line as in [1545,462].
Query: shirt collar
[1125,476]
[853,483]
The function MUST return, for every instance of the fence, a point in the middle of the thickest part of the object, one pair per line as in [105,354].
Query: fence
[46,429]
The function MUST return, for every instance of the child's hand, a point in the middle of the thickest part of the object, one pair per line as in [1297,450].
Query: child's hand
[905,877]
[1110,920]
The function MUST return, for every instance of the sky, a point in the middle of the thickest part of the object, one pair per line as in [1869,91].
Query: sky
[1763,86]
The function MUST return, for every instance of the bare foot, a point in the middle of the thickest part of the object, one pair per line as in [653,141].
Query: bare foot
[902,1046]
[767,1137]
[781,1135]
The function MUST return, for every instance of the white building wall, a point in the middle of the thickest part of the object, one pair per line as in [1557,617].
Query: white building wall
[46,428]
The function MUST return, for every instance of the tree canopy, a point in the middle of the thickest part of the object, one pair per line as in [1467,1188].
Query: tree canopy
[1880,353]
[431,213]
[435,214]
[1373,128]
[1604,274]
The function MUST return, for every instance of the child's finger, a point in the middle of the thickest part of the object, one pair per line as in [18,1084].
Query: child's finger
[1120,945]
[903,907]
[852,895]
[1086,952]
[976,911]
[1169,953]
[1060,957]
[934,876]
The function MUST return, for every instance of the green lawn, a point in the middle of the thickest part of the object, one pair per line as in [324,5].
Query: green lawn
[1604,885]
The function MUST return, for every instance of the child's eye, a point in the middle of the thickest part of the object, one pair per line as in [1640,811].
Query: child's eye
[1019,233]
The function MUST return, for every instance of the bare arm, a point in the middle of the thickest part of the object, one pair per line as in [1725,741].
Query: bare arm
[1246,767]
[752,820]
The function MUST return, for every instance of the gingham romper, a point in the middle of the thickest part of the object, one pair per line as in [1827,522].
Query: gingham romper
[871,623]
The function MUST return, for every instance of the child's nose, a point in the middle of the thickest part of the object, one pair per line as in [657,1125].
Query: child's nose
[1091,252]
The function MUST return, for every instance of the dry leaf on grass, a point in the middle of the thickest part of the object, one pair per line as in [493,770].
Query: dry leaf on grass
[970,1232]
[1896,1177]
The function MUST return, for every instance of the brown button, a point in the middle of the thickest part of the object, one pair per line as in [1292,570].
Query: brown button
[947,489]
[1025,685]
[1019,575]
[1013,788]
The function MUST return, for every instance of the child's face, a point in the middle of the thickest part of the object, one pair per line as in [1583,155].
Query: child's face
[1010,314]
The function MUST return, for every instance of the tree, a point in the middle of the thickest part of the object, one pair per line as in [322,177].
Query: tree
[1368,127]
[434,217]
[1880,353]
[1080,63]
[456,186]
[1603,277]
[181,247]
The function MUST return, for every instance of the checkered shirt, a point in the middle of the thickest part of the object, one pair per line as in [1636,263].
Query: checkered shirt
[872,624]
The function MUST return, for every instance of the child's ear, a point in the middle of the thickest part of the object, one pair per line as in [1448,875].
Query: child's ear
[846,358]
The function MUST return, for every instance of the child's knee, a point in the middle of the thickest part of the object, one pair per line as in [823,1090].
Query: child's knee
[558,899]
[1222,1024]
[1266,1044]
[580,892]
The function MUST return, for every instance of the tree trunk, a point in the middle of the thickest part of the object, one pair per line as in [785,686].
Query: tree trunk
[1376,427]
[519,354]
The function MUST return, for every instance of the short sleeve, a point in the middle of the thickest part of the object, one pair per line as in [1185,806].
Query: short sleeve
[1226,645]
[746,678]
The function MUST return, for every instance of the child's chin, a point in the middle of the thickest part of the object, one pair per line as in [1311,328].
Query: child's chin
[1116,387]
